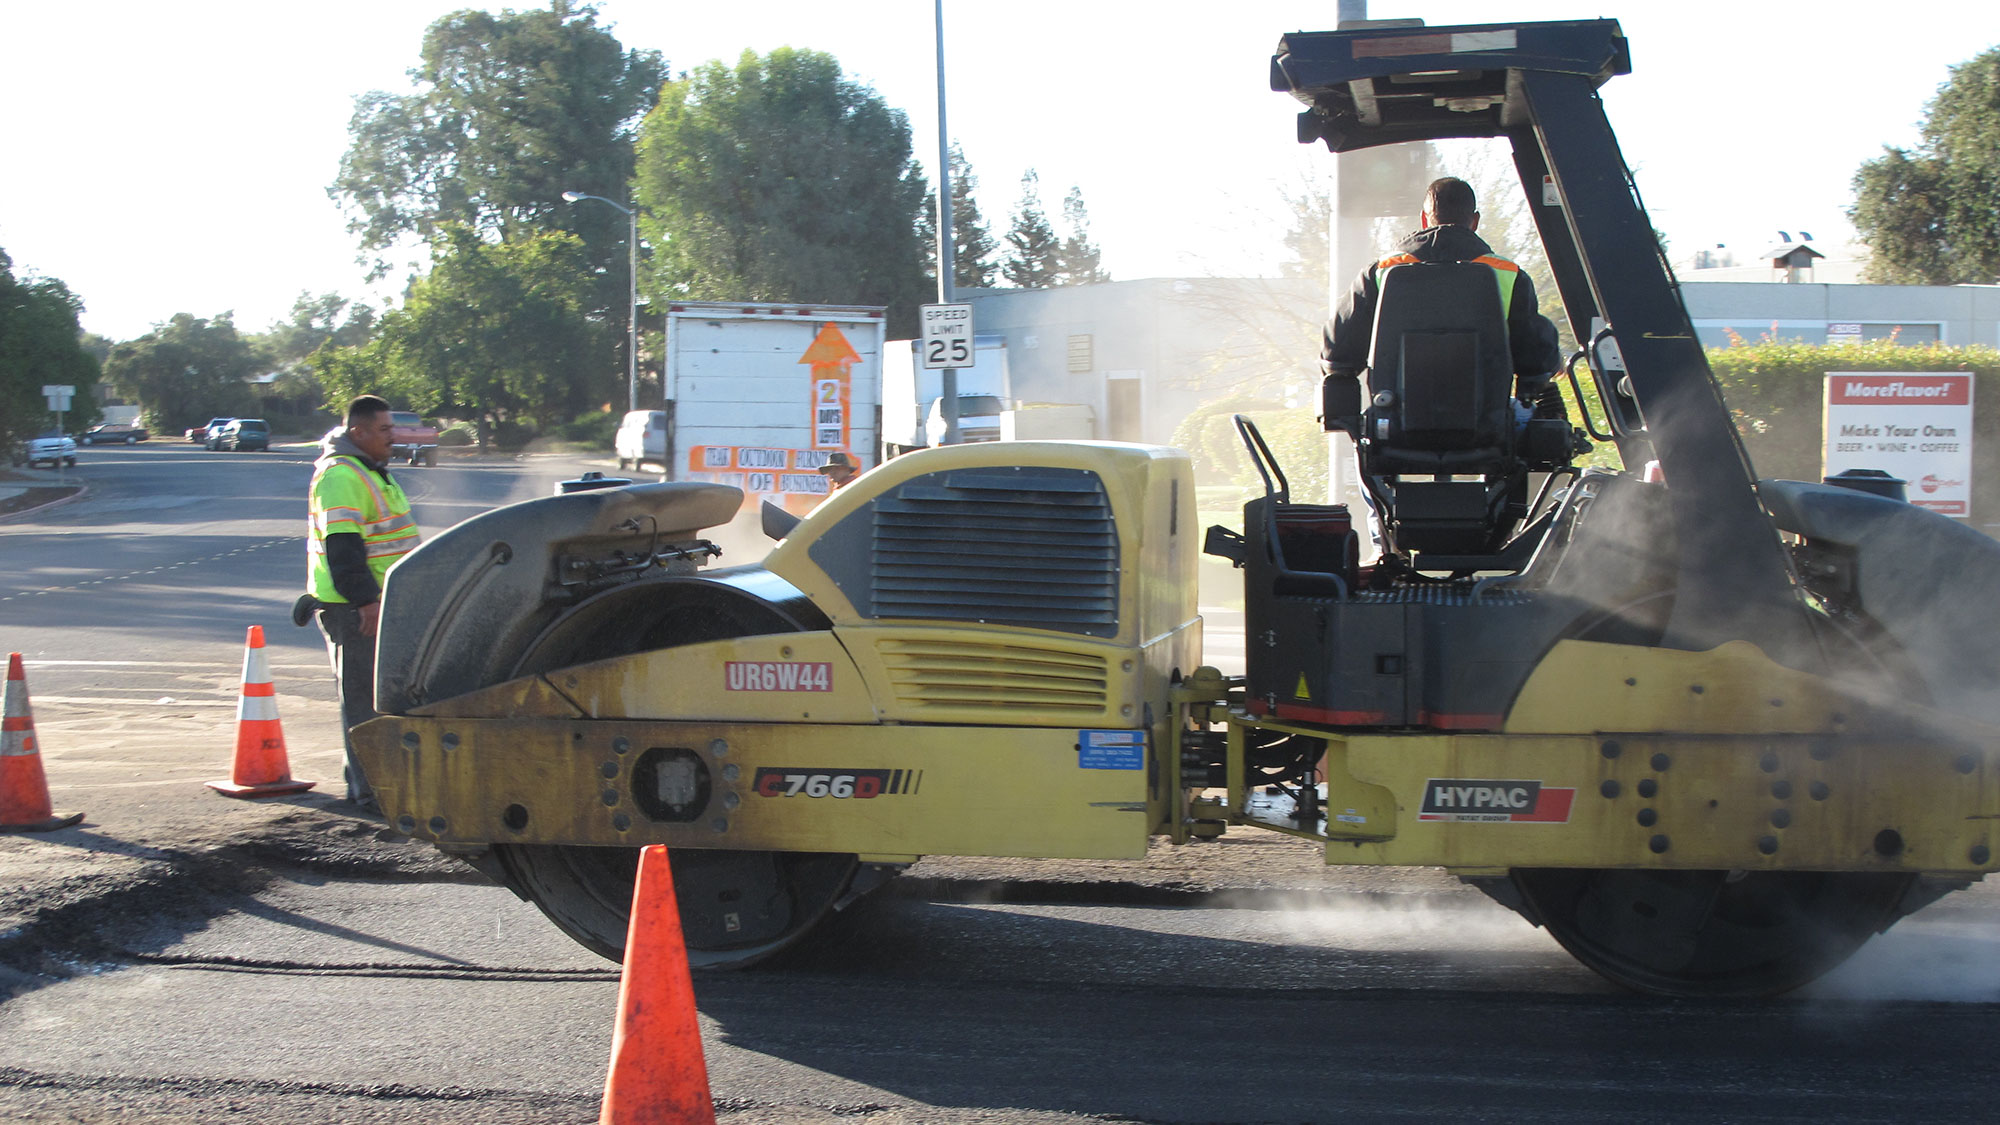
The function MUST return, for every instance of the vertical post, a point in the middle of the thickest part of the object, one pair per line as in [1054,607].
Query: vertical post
[632,313]
[947,261]
[1347,245]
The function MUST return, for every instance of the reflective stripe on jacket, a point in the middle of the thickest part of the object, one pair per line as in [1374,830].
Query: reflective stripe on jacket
[1504,272]
[349,498]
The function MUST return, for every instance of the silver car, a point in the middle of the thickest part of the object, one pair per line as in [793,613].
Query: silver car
[52,446]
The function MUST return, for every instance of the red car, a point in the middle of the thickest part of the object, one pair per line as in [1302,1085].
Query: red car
[200,434]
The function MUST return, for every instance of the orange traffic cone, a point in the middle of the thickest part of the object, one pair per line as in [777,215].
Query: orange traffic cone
[658,1075]
[262,769]
[24,789]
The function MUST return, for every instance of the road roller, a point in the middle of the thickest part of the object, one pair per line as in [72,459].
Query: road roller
[1711,732]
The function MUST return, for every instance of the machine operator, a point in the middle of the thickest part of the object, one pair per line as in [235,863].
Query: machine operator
[1445,233]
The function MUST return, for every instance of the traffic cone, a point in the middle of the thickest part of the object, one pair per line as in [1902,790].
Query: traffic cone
[658,1075]
[262,769]
[24,789]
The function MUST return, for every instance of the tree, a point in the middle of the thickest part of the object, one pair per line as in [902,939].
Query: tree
[780,180]
[187,370]
[495,331]
[1034,257]
[316,322]
[1308,253]
[40,344]
[1081,259]
[972,244]
[511,111]
[1932,216]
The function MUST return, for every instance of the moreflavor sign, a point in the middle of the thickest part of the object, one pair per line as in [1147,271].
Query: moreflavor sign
[1913,425]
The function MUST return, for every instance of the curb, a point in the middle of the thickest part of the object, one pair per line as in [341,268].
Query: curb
[82,490]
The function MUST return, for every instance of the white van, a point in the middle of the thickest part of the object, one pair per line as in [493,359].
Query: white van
[642,436]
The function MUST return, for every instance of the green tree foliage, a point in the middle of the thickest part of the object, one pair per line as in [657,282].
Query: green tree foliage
[780,180]
[1209,436]
[972,247]
[1082,262]
[316,322]
[1932,216]
[188,370]
[495,332]
[40,344]
[1034,253]
[511,110]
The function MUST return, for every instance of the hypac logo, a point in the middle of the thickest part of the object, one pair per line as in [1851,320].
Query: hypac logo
[1931,483]
[1486,801]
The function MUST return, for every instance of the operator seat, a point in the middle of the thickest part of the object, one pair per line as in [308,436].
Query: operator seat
[1440,408]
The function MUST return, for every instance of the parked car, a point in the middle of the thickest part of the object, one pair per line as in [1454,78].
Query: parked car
[642,436]
[115,433]
[412,439]
[240,434]
[201,433]
[52,446]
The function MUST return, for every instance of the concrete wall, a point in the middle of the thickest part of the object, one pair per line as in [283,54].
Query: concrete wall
[1156,347]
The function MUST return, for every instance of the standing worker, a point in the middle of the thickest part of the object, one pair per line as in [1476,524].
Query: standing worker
[1445,233]
[361,526]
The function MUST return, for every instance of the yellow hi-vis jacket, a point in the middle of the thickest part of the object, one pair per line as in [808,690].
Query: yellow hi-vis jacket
[349,497]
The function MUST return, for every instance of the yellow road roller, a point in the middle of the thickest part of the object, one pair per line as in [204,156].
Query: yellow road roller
[1711,732]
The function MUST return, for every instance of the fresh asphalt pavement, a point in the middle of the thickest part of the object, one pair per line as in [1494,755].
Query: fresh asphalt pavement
[181,957]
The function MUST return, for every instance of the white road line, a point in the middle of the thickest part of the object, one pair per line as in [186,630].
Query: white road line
[100,700]
[186,664]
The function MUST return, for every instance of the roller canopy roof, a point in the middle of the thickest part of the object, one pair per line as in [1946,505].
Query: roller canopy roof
[1385,85]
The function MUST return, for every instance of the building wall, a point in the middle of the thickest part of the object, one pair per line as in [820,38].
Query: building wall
[1156,347]
[1948,314]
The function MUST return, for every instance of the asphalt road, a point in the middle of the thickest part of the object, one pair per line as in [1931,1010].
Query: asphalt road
[312,967]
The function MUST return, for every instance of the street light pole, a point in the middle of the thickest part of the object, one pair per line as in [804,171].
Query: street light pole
[632,294]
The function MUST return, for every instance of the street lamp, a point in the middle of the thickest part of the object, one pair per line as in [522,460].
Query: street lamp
[632,317]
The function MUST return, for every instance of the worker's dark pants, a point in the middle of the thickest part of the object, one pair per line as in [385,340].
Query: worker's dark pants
[353,658]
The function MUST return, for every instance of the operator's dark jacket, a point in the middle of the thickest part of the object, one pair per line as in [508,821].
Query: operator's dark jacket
[1537,354]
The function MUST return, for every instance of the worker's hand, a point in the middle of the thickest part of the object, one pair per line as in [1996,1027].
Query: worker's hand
[371,614]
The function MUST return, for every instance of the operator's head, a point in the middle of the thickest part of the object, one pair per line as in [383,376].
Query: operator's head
[1449,202]
[369,426]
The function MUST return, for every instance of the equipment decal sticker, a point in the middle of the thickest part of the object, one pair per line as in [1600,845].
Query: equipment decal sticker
[777,675]
[1111,749]
[1486,801]
[859,785]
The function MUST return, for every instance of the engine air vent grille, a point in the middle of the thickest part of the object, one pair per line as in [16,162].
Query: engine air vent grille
[1029,545]
[936,673]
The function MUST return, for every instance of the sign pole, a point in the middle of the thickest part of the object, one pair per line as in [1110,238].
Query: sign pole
[58,395]
[947,266]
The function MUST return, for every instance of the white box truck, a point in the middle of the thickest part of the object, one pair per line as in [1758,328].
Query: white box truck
[760,395]
[910,396]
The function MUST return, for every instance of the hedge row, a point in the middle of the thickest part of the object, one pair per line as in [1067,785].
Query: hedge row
[1776,390]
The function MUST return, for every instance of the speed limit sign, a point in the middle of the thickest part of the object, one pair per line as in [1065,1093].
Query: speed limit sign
[947,339]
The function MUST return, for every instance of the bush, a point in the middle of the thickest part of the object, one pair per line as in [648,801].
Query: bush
[1293,433]
[458,434]
[513,436]
[593,429]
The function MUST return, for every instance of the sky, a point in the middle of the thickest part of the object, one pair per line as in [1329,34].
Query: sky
[162,158]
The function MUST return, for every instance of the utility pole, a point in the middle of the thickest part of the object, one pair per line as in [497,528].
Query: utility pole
[947,263]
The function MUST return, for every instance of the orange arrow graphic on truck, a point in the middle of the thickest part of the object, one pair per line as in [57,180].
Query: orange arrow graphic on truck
[831,358]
